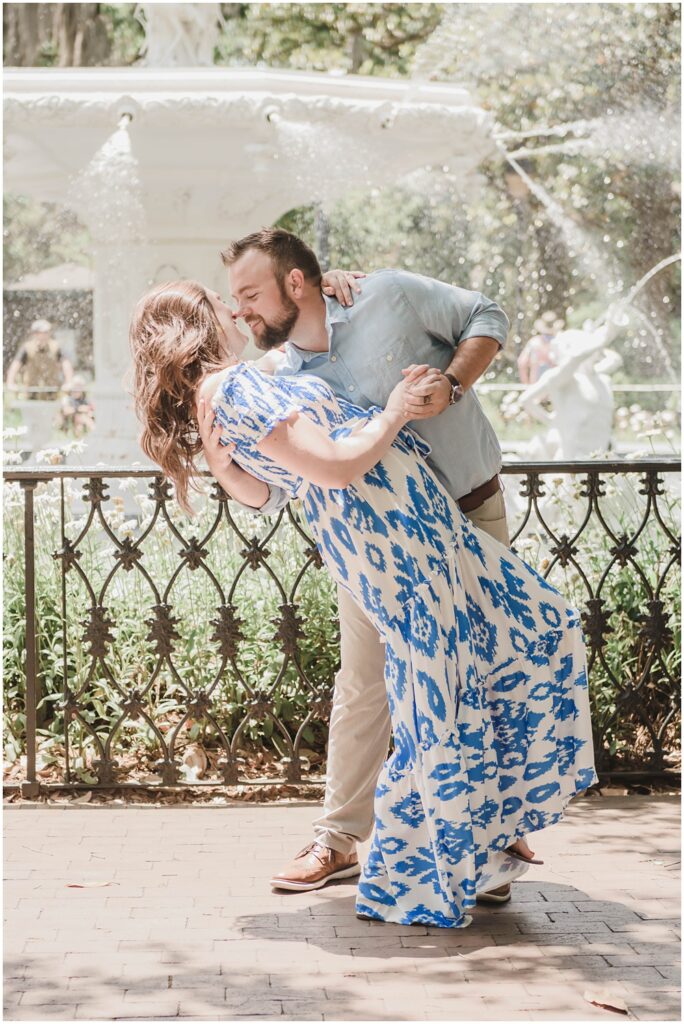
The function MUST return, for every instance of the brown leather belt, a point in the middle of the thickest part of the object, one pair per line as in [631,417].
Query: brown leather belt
[473,500]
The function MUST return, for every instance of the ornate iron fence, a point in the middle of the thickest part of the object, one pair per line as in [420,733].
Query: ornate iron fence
[144,648]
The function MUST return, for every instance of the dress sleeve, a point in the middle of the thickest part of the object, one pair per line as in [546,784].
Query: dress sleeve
[278,498]
[249,405]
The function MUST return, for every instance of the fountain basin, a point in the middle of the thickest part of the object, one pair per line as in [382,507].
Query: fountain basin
[165,166]
[222,151]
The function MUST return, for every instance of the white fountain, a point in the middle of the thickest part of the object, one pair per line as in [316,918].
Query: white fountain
[578,387]
[580,422]
[165,165]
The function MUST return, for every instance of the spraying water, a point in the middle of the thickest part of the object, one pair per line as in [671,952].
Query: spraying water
[623,304]
[108,195]
[643,137]
[668,261]
[578,241]
[108,192]
[589,255]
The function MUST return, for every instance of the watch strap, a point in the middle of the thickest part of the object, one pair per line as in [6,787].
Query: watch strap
[456,388]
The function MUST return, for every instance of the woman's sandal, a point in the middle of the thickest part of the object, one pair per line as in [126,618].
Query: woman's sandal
[518,856]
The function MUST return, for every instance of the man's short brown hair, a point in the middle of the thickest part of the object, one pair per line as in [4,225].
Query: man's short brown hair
[285,250]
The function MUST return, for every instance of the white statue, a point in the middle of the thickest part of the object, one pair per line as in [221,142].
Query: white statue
[180,35]
[580,392]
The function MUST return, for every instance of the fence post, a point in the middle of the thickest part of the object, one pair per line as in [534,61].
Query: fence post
[30,787]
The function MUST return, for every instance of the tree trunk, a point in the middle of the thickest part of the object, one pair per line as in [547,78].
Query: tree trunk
[322,230]
[27,28]
[356,51]
[76,32]
[81,34]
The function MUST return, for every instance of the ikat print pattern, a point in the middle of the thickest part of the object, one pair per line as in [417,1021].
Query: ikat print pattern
[485,666]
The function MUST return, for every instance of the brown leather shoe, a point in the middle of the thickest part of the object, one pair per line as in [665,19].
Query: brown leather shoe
[500,895]
[314,867]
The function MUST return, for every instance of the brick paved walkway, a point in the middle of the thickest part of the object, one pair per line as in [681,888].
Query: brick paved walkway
[190,928]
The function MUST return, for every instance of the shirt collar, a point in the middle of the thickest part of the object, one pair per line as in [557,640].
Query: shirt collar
[298,357]
[334,314]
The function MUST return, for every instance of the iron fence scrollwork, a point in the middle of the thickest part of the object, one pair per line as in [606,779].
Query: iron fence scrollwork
[219,633]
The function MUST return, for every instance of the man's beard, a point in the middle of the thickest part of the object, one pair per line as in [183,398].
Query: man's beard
[274,334]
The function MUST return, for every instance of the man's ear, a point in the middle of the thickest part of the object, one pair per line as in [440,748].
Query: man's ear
[296,281]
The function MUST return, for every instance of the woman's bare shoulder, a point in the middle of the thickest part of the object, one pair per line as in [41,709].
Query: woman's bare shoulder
[209,385]
[271,361]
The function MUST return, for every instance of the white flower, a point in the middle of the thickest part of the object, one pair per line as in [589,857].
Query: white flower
[47,501]
[76,525]
[127,483]
[653,432]
[77,446]
[10,432]
[53,456]
[146,504]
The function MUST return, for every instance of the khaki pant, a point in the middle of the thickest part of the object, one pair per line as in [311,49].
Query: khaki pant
[360,722]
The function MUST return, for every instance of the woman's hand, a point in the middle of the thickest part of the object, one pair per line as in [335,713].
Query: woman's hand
[429,396]
[237,339]
[218,456]
[398,401]
[341,283]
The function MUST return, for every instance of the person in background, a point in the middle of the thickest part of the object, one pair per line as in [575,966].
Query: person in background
[76,414]
[537,355]
[40,367]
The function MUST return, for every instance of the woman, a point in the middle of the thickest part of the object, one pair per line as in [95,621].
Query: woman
[485,672]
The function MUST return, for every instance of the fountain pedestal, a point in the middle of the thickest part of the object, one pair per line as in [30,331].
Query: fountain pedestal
[38,416]
[120,279]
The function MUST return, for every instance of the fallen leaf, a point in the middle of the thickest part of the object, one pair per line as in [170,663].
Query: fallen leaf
[89,885]
[83,799]
[607,999]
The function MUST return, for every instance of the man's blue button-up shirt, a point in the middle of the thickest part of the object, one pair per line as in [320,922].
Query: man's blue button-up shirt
[398,319]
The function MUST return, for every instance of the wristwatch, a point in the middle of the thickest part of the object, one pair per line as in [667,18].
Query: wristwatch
[456,389]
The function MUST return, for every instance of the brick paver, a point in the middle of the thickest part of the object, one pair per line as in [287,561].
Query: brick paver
[188,926]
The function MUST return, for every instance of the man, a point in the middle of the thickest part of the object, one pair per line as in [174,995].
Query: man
[396,319]
[40,365]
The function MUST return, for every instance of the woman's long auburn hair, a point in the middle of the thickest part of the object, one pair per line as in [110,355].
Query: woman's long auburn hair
[175,340]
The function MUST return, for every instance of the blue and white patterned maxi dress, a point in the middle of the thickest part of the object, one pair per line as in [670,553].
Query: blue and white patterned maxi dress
[485,665]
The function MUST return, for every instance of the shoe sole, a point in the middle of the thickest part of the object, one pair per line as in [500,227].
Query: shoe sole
[284,883]
[488,898]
